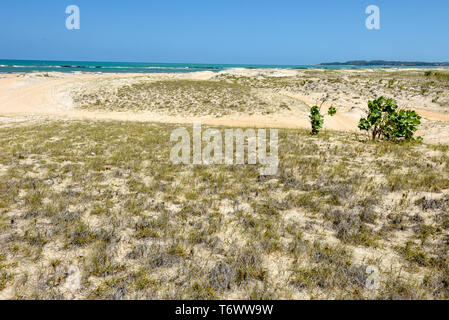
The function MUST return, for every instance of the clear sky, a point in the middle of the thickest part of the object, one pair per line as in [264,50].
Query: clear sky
[225,31]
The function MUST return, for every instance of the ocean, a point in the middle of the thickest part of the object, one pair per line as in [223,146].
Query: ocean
[26,66]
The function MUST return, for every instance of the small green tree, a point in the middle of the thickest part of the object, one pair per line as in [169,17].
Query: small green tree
[385,121]
[317,119]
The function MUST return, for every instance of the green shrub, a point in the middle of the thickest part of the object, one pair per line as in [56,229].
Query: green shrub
[384,121]
[317,119]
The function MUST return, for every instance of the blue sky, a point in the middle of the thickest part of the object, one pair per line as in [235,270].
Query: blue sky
[225,31]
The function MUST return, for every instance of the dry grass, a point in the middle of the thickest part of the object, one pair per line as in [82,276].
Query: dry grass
[412,88]
[177,97]
[104,197]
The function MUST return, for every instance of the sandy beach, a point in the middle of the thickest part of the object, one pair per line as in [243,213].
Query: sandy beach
[224,158]
[91,207]
[52,95]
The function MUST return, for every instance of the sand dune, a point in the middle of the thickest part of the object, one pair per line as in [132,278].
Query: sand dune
[101,202]
[49,96]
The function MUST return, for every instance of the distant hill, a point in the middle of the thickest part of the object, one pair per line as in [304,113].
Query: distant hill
[387,63]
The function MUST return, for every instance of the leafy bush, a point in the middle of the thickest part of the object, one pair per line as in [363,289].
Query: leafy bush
[385,121]
[317,119]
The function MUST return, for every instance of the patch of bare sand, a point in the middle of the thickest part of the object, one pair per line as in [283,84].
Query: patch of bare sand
[46,95]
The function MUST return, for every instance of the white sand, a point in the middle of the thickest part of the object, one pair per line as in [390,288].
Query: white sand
[35,95]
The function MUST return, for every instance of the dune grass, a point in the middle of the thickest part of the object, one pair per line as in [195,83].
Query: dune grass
[176,97]
[103,197]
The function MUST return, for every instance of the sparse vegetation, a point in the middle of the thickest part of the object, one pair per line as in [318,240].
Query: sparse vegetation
[103,196]
[356,87]
[317,119]
[179,97]
[442,76]
[96,210]
[385,121]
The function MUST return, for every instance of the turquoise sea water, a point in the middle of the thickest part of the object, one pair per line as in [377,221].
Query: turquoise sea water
[26,66]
